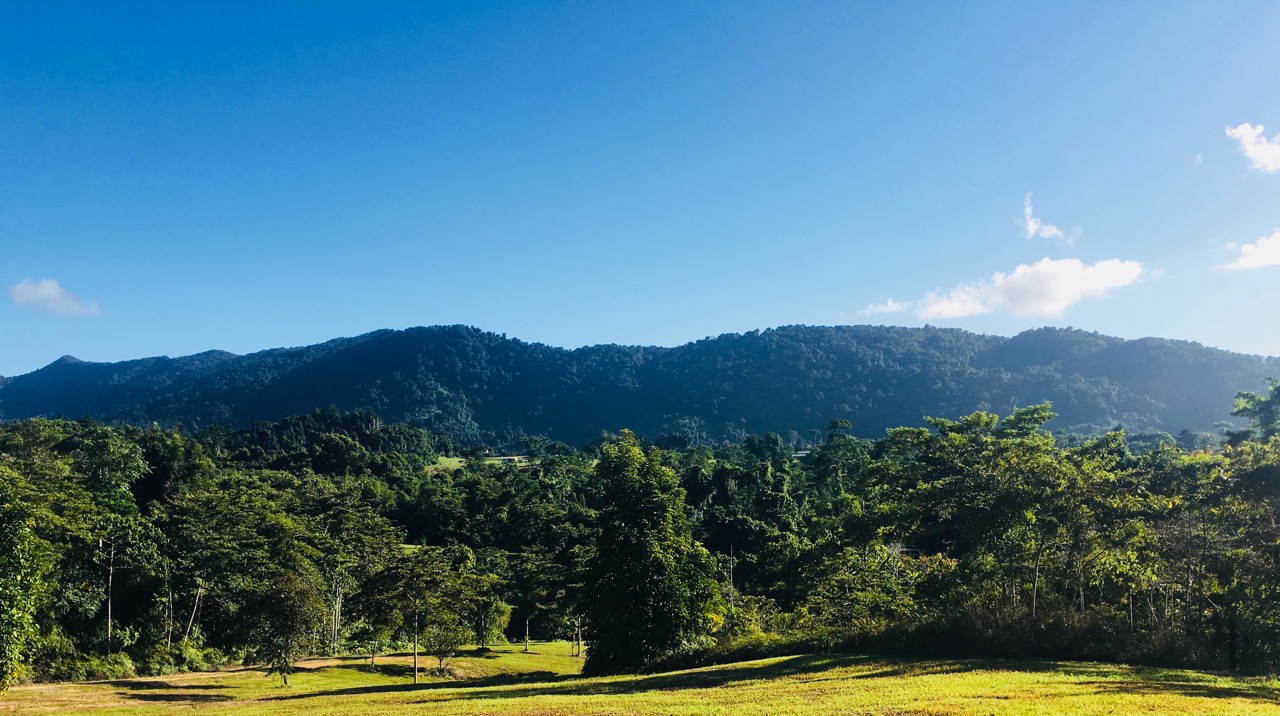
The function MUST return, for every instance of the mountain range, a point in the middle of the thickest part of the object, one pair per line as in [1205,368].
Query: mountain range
[484,387]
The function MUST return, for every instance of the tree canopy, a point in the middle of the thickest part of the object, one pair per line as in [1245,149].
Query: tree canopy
[136,549]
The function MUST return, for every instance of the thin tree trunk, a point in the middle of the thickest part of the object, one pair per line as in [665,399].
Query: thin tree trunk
[168,608]
[337,616]
[1186,605]
[192,620]
[111,573]
[1233,639]
[415,647]
[731,589]
[1035,582]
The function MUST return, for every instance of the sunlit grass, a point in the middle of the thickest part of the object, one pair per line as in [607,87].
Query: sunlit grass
[507,681]
[445,463]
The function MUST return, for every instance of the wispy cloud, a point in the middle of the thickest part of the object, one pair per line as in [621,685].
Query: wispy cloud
[1033,226]
[1263,153]
[890,306]
[48,296]
[1261,253]
[1047,287]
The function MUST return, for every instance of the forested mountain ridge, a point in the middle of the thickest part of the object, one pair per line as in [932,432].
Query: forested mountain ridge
[481,386]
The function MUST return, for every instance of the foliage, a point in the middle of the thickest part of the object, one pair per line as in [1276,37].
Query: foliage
[1263,412]
[443,635]
[21,581]
[288,615]
[155,551]
[651,591]
[112,666]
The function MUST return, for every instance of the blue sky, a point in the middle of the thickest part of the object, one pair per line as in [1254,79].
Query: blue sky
[175,179]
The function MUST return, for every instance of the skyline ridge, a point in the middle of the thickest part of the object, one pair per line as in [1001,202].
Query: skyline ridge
[220,351]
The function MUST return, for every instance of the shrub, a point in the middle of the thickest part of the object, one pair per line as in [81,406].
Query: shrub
[55,658]
[112,666]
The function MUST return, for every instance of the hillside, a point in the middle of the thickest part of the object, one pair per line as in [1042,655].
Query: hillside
[481,386]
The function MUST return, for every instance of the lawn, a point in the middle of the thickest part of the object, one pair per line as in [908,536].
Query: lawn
[546,681]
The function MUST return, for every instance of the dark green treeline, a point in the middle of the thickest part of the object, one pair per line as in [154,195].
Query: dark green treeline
[140,550]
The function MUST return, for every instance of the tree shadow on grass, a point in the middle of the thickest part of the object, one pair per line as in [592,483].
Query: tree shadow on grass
[1140,680]
[1137,681]
[184,698]
[532,677]
[425,668]
[132,685]
[540,683]
[1186,687]
[1103,678]
[166,692]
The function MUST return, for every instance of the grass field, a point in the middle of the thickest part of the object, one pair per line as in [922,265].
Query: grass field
[445,463]
[546,681]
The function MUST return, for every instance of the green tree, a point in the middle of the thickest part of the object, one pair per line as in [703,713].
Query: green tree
[21,571]
[123,542]
[486,613]
[289,615]
[863,590]
[650,592]
[420,589]
[443,636]
[1263,412]
[355,541]
[109,463]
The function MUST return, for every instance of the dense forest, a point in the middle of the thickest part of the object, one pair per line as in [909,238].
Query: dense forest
[481,387]
[129,549]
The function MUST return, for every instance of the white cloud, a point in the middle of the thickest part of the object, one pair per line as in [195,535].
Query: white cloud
[1045,288]
[48,296]
[1034,226]
[1263,252]
[1199,159]
[1263,153]
[890,306]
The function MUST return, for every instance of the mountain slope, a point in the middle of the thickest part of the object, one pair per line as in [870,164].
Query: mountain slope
[482,386]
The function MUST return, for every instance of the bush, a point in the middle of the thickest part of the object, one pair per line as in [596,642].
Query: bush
[756,646]
[55,658]
[113,666]
[158,662]
[190,656]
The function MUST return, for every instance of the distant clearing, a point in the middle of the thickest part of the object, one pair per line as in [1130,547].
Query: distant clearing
[445,463]
[546,681]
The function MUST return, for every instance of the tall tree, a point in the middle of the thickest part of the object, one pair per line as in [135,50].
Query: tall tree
[124,542]
[1263,412]
[650,591]
[290,614]
[21,570]
[424,588]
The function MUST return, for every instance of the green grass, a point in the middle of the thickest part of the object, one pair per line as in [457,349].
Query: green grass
[445,463]
[507,681]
